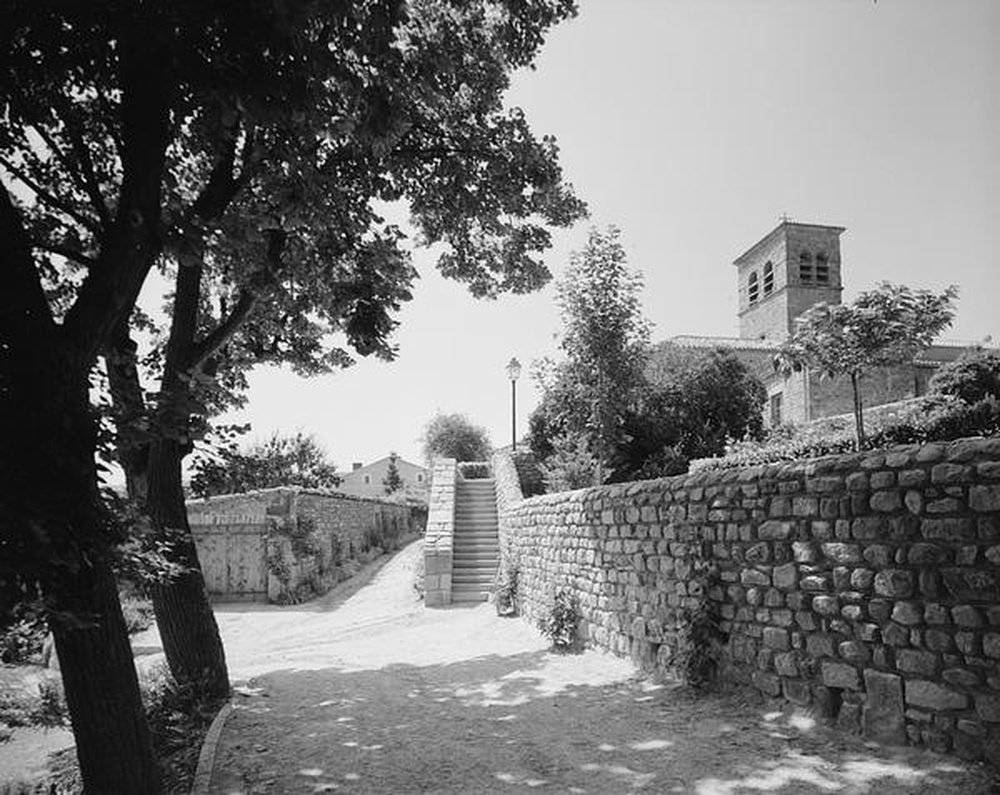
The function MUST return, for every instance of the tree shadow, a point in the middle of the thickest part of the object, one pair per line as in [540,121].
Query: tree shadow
[542,721]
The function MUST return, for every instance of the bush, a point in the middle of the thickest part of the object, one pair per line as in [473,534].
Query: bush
[22,639]
[505,591]
[138,613]
[474,471]
[972,378]
[571,466]
[932,418]
[560,623]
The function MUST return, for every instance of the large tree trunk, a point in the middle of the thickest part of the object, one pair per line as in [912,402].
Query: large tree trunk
[102,690]
[56,516]
[184,616]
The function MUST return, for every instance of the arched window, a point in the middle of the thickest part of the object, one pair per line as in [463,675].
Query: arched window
[753,288]
[805,267]
[822,269]
[768,278]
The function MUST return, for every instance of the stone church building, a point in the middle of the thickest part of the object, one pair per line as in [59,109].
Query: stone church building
[782,275]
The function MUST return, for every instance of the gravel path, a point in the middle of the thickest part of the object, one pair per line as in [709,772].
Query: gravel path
[375,694]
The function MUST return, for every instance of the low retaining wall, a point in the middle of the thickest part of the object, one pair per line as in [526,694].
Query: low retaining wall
[279,544]
[439,538]
[866,586]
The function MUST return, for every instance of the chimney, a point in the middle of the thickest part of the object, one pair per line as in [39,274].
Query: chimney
[355,466]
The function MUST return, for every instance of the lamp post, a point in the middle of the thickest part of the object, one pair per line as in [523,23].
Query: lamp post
[513,372]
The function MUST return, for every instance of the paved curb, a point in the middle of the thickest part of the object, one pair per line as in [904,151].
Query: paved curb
[206,759]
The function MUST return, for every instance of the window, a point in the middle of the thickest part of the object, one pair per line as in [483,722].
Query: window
[368,480]
[768,278]
[753,289]
[822,269]
[420,477]
[776,410]
[805,267]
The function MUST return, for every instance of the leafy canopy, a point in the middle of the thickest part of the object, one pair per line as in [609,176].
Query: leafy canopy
[276,461]
[454,436]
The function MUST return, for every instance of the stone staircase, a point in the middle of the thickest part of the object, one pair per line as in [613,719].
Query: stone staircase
[475,551]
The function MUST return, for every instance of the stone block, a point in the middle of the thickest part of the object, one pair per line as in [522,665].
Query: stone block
[877,555]
[883,717]
[925,554]
[950,473]
[759,553]
[854,651]
[895,635]
[991,644]
[988,707]
[914,661]
[921,693]
[963,677]
[815,582]
[805,552]
[751,577]
[776,638]
[820,645]
[796,691]
[908,613]
[785,577]
[775,531]
[938,640]
[966,616]
[842,553]
[973,585]
[984,498]
[840,675]
[826,605]
[767,683]
[885,501]
[896,583]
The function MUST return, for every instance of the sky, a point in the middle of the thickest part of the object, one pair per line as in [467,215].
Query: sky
[693,125]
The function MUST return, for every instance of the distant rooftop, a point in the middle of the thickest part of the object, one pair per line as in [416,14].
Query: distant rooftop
[735,343]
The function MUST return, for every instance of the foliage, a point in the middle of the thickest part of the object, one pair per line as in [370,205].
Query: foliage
[138,614]
[23,636]
[604,340]
[560,623]
[971,378]
[571,465]
[882,327]
[454,436]
[392,480]
[474,470]
[46,710]
[700,644]
[926,419]
[179,718]
[277,461]
[505,591]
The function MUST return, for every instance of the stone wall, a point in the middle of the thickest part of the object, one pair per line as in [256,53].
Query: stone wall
[284,543]
[865,586]
[438,541]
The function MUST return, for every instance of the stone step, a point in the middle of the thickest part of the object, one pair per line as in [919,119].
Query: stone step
[469,596]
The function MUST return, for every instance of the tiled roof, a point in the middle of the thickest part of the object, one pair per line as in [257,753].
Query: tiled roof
[735,343]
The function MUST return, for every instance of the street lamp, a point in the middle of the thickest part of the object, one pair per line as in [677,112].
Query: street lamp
[513,373]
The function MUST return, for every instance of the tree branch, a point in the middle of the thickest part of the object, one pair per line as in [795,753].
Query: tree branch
[86,164]
[250,296]
[48,198]
[65,251]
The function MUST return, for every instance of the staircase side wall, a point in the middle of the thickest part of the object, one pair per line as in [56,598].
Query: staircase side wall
[439,539]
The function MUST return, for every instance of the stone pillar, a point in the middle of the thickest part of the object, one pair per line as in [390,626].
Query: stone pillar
[438,541]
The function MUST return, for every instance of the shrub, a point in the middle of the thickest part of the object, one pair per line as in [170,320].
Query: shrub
[474,471]
[571,466]
[972,378]
[700,644]
[138,613]
[22,639]
[560,623]
[505,592]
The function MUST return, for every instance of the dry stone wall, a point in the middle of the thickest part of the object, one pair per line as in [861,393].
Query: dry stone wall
[865,586]
[439,538]
[285,543]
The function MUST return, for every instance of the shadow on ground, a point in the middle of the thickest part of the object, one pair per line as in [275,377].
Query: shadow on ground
[537,721]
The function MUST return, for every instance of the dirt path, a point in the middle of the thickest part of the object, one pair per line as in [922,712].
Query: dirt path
[375,694]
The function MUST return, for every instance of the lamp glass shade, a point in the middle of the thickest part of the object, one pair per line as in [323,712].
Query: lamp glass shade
[514,369]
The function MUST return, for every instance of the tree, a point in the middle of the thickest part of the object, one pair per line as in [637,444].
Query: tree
[241,148]
[277,461]
[882,327]
[605,338]
[453,436]
[392,481]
